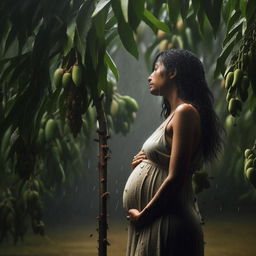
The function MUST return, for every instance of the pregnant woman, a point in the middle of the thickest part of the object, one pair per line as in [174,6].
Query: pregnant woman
[158,196]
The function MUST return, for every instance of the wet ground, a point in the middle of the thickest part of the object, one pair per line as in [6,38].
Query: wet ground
[226,236]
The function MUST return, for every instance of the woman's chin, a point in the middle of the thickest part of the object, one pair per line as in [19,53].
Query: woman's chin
[154,92]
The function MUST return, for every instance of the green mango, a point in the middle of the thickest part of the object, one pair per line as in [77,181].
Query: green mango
[229,123]
[77,75]
[36,185]
[229,80]
[247,152]
[51,129]
[121,107]
[234,106]
[110,121]
[125,128]
[238,74]
[114,107]
[40,137]
[66,79]
[163,45]
[57,77]
[131,103]
[251,175]
[249,164]
[33,196]
[133,116]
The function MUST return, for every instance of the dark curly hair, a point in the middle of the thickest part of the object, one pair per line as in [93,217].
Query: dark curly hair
[192,88]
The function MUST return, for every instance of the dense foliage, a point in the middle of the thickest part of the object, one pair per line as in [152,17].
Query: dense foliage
[56,66]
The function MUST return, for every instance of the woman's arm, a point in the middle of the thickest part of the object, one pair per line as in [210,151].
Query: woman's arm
[185,126]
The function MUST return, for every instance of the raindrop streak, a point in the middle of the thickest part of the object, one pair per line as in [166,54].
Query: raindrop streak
[117,204]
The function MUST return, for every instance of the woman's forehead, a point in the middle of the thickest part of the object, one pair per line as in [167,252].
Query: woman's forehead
[159,62]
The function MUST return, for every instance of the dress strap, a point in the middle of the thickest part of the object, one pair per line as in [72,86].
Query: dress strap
[169,119]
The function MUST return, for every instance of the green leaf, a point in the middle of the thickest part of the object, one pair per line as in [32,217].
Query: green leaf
[196,5]
[135,12]
[99,24]
[156,7]
[102,77]
[111,36]
[100,5]
[61,105]
[92,43]
[242,5]
[220,65]
[127,38]
[11,45]
[111,23]
[152,21]
[70,34]
[174,10]
[38,116]
[83,24]
[228,8]
[250,10]
[233,31]
[124,6]
[124,30]
[235,16]
[108,60]
[213,12]
[201,21]
[184,6]
[149,52]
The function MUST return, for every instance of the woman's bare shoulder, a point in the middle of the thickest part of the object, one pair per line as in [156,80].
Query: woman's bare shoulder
[187,113]
[186,110]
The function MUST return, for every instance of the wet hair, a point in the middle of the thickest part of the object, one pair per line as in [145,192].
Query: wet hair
[192,88]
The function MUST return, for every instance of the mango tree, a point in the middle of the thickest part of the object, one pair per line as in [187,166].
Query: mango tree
[56,68]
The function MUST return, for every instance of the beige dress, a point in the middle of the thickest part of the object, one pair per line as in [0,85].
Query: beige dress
[178,231]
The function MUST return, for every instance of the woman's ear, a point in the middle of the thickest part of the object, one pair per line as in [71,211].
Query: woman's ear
[172,74]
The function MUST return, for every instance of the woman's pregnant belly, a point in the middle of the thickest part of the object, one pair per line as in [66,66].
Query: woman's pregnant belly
[142,184]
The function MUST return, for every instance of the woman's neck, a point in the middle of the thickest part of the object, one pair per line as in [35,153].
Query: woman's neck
[173,99]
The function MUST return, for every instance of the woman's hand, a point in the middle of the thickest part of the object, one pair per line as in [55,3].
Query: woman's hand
[139,218]
[134,215]
[138,159]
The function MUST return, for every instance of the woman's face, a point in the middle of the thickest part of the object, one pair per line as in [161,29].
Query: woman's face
[157,81]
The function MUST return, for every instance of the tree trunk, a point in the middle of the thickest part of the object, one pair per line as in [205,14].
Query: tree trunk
[102,169]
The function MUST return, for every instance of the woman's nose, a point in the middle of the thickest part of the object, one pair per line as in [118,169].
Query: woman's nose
[149,78]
